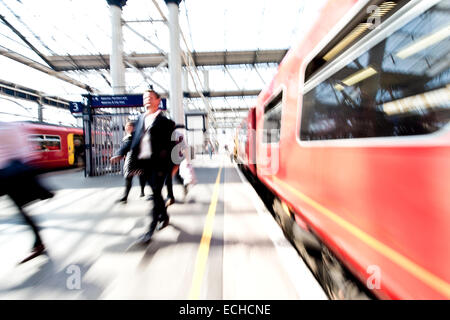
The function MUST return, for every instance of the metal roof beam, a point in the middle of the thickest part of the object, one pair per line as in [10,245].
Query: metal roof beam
[38,66]
[220,94]
[28,43]
[152,60]
[231,110]
[21,92]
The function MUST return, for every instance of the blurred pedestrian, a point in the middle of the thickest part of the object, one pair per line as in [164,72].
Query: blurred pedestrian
[210,149]
[129,167]
[180,159]
[79,153]
[153,145]
[18,179]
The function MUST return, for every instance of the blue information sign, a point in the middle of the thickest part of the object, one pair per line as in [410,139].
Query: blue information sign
[75,107]
[117,101]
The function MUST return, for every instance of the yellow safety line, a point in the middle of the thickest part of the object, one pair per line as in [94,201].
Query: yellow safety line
[424,275]
[202,254]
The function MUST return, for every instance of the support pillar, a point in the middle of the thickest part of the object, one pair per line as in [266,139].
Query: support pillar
[175,94]
[185,80]
[206,79]
[117,68]
[40,111]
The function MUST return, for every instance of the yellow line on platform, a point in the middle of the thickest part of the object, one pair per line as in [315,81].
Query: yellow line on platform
[203,251]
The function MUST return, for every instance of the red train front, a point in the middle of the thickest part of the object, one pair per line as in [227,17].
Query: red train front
[353,142]
[53,146]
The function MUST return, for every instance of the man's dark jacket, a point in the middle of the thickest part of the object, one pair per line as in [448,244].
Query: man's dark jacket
[160,140]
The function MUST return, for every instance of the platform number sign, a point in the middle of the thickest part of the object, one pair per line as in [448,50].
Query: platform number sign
[76,107]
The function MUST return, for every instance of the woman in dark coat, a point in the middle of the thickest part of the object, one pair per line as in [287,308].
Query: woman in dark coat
[18,180]
[128,171]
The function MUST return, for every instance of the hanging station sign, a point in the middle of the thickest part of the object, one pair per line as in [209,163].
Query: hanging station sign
[117,101]
[76,107]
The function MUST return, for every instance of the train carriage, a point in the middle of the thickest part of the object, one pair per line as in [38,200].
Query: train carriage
[53,146]
[353,141]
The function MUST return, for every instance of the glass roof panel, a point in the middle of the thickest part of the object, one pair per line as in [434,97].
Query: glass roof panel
[83,27]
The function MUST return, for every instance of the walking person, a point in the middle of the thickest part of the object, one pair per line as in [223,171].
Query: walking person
[180,159]
[152,144]
[210,149]
[174,173]
[18,179]
[79,153]
[128,170]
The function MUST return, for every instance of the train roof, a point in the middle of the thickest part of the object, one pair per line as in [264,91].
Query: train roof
[44,127]
[49,124]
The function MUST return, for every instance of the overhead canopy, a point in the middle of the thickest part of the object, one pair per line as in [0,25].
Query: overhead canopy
[232,48]
[153,60]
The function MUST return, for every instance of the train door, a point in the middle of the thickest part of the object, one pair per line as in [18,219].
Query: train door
[79,150]
[70,149]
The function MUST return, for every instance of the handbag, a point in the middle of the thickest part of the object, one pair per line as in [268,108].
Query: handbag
[187,173]
[134,164]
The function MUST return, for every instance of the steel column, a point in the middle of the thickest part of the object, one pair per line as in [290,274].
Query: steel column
[175,95]
[116,58]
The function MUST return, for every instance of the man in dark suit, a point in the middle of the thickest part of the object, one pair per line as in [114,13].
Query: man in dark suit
[151,147]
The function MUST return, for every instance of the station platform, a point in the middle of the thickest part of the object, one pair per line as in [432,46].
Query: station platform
[221,243]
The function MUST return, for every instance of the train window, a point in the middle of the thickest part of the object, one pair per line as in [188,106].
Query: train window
[399,87]
[374,13]
[37,142]
[53,143]
[272,120]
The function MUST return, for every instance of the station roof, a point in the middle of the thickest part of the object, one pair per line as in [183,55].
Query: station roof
[153,60]
[239,43]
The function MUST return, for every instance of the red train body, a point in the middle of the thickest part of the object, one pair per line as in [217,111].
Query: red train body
[53,146]
[377,196]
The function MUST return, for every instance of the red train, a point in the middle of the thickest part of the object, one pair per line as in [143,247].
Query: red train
[54,146]
[353,147]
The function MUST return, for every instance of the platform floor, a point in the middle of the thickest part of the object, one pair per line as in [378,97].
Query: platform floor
[221,243]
